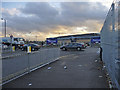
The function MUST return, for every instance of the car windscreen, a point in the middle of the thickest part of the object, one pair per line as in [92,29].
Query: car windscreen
[36,44]
[15,39]
[33,44]
[26,45]
[21,39]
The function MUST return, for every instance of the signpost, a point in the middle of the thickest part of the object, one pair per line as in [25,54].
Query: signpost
[95,39]
[73,39]
[52,41]
[11,36]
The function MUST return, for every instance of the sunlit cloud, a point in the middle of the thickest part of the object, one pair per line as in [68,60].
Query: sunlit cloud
[43,20]
[13,11]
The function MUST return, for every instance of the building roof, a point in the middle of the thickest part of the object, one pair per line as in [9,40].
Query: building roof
[80,35]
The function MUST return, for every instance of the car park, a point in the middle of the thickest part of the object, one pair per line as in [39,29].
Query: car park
[34,47]
[76,46]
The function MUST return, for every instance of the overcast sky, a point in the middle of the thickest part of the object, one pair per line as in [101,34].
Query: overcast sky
[50,19]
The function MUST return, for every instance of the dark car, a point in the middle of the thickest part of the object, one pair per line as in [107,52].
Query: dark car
[76,46]
[34,47]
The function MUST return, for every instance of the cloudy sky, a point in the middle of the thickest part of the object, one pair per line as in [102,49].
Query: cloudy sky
[51,19]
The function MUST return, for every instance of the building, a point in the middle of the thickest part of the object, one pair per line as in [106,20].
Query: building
[75,38]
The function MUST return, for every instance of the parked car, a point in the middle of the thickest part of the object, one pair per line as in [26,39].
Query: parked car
[2,46]
[33,47]
[88,44]
[44,45]
[76,46]
[84,45]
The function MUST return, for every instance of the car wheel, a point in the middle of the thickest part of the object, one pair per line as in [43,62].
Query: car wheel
[64,49]
[22,49]
[78,48]
[33,49]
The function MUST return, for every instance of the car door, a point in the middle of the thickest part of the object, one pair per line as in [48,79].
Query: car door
[74,45]
[69,46]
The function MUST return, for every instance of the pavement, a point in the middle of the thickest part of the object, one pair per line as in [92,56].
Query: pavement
[79,69]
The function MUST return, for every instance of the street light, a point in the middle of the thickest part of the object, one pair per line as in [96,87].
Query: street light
[4,24]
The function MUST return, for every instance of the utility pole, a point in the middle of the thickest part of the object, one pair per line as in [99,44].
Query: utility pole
[5,27]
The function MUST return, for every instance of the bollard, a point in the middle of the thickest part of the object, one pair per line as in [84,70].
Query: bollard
[29,49]
[13,48]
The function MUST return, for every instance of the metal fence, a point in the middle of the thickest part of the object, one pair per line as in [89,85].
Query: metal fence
[17,65]
[110,39]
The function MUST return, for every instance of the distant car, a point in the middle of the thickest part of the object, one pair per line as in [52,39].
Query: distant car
[34,47]
[84,45]
[44,45]
[54,44]
[76,46]
[88,44]
[2,46]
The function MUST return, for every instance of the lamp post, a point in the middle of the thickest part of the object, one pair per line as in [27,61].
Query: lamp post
[5,24]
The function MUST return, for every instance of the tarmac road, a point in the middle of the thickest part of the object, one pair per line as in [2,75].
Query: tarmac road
[81,71]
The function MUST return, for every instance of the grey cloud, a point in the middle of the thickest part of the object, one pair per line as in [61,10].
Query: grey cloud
[46,18]
[82,11]
[39,22]
[41,9]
